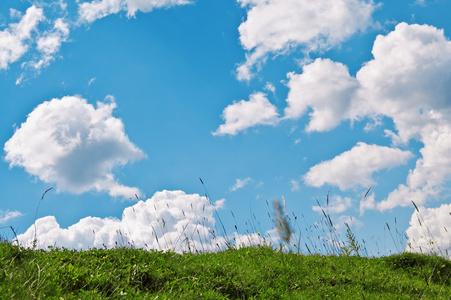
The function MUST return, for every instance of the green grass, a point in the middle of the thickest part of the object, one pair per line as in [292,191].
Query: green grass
[320,265]
[259,272]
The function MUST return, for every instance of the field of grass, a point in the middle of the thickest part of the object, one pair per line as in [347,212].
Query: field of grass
[259,272]
[325,267]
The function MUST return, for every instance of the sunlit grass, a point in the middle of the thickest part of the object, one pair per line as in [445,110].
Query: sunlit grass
[259,272]
[310,262]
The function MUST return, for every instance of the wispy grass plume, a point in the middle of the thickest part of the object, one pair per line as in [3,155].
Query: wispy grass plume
[281,222]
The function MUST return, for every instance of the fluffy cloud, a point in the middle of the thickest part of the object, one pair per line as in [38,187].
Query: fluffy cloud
[409,78]
[356,166]
[327,88]
[5,216]
[241,115]
[429,230]
[408,81]
[75,145]
[97,9]
[240,183]
[276,26]
[13,39]
[431,170]
[170,220]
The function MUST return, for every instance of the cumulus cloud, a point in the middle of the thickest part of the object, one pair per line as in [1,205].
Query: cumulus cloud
[276,26]
[408,80]
[327,88]
[7,215]
[429,230]
[170,220]
[240,183]
[74,144]
[356,166]
[13,40]
[97,9]
[241,115]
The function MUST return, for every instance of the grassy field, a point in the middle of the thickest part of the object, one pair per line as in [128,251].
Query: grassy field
[326,268]
[259,272]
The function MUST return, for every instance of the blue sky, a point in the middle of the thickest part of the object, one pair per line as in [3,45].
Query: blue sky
[104,100]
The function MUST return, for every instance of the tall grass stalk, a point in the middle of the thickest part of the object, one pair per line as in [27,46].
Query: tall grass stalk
[36,216]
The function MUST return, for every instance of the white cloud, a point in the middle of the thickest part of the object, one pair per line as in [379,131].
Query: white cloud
[50,43]
[62,5]
[328,89]
[404,195]
[240,183]
[170,220]
[408,81]
[429,230]
[294,185]
[20,78]
[356,166]
[16,40]
[337,204]
[241,115]
[13,39]
[276,26]
[7,215]
[367,203]
[75,145]
[97,9]
[431,171]
[270,87]
[14,13]
[353,223]
[253,239]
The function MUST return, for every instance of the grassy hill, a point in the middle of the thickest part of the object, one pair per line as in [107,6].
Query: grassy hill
[259,272]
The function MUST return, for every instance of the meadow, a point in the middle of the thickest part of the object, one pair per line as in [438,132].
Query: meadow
[333,268]
[259,272]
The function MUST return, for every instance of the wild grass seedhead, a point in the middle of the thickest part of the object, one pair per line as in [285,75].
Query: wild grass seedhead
[281,221]
[35,240]
[352,245]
